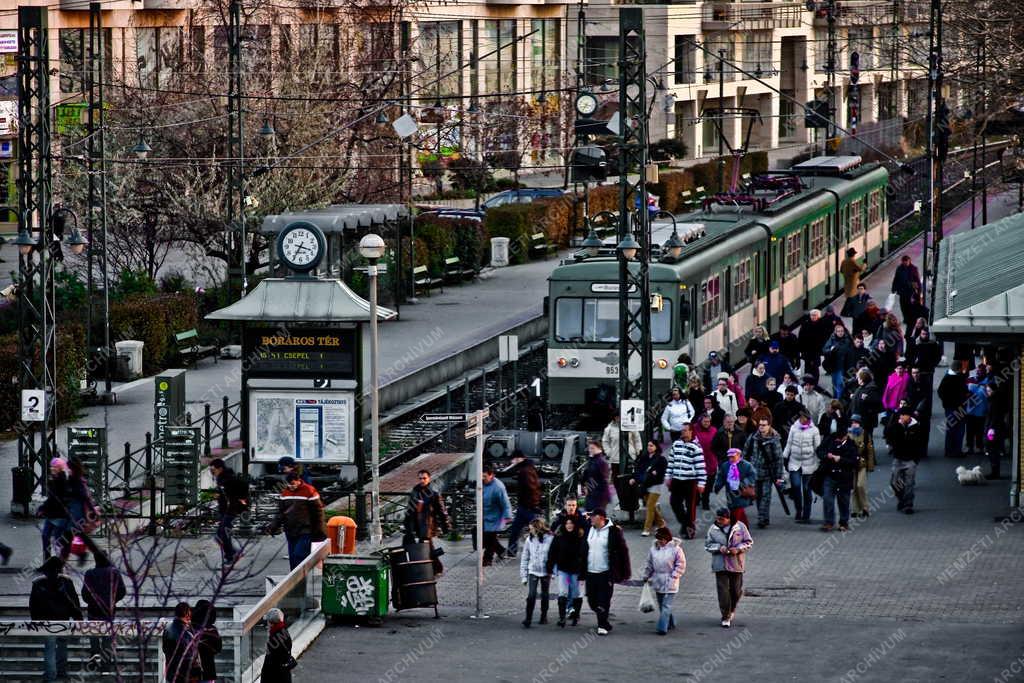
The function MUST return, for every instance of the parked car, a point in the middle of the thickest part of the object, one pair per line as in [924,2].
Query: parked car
[523,195]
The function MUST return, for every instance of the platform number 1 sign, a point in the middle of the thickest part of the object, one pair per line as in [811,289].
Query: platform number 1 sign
[631,415]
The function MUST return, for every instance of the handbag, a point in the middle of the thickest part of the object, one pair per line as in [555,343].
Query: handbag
[647,603]
[749,492]
[78,548]
[291,663]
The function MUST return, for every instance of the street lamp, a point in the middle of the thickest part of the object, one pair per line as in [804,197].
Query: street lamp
[141,149]
[628,247]
[267,131]
[371,247]
[592,244]
[24,242]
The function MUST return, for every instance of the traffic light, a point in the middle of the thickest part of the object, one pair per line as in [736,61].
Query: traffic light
[940,138]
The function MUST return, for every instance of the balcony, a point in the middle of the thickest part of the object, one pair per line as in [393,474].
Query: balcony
[870,13]
[735,16]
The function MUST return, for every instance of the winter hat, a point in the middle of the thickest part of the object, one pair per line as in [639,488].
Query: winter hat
[733,450]
[663,534]
[773,344]
[856,418]
[60,464]
[724,375]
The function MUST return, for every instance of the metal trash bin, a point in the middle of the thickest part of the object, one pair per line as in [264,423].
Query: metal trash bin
[355,586]
[415,584]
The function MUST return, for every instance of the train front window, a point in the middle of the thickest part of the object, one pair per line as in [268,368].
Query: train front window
[597,320]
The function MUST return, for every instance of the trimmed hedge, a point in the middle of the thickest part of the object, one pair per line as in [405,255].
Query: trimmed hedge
[70,371]
[516,222]
[154,321]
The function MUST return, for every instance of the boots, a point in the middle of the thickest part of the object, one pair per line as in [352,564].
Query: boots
[561,611]
[530,602]
[577,605]
[543,611]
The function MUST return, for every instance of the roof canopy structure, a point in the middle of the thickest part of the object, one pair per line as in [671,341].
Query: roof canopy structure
[980,282]
[338,218]
[301,300]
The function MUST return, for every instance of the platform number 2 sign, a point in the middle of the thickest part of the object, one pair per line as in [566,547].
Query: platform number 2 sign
[631,415]
[33,405]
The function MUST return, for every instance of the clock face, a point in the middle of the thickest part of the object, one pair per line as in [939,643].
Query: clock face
[586,104]
[300,248]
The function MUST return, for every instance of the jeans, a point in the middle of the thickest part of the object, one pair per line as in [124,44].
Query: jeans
[683,499]
[838,383]
[653,518]
[975,433]
[729,586]
[55,657]
[227,547]
[830,495]
[665,618]
[803,497]
[53,530]
[599,596]
[568,585]
[764,499]
[523,518]
[298,548]
[954,434]
[903,475]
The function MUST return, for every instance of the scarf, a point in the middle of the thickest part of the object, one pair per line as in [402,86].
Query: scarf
[733,478]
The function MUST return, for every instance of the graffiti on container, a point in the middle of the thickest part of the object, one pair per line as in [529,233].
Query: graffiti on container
[358,594]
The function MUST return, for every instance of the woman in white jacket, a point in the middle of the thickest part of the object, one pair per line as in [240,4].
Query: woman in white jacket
[801,452]
[677,413]
[666,563]
[533,569]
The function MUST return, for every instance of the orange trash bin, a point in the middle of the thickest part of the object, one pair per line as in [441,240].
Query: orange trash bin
[342,532]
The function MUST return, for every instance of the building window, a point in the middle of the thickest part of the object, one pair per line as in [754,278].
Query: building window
[545,55]
[856,217]
[757,53]
[74,48]
[792,261]
[441,51]
[602,56]
[710,300]
[318,45]
[862,41]
[818,238]
[158,54]
[726,42]
[197,48]
[685,65]
[500,67]
[788,116]
[741,293]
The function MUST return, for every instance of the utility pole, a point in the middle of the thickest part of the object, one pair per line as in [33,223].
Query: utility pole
[832,51]
[96,210]
[235,235]
[938,137]
[984,114]
[581,84]
[37,339]
[721,120]
[634,233]
[974,138]
[928,232]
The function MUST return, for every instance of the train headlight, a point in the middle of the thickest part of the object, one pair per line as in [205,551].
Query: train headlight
[575,362]
[662,363]
[562,362]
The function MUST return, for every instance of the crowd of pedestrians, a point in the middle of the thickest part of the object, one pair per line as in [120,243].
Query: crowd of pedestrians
[801,426]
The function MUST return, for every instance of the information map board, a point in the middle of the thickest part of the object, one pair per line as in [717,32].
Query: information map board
[306,424]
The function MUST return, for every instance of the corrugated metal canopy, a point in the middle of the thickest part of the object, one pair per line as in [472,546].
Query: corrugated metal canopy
[301,300]
[338,217]
[980,285]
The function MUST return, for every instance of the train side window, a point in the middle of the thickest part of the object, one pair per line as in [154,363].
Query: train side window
[710,300]
[741,284]
[792,260]
[817,239]
[856,217]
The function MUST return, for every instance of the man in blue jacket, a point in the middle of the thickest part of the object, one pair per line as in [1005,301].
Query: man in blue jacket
[497,512]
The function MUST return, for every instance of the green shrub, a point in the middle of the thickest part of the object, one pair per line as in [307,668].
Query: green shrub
[667,148]
[436,235]
[154,321]
[669,187]
[471,242]
[516,222]
[70,370]
[175,282]
[132,283]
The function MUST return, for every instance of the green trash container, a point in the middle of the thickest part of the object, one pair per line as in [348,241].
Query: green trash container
[355,586]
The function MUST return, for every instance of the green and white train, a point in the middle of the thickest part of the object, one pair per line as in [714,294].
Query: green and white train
[765,257]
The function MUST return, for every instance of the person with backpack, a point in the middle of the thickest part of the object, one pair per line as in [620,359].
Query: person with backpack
[54,598]
[567,562]
[533,570]
[232,501]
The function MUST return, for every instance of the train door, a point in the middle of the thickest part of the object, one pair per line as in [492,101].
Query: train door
[761,278]
[727,309]
[805,258]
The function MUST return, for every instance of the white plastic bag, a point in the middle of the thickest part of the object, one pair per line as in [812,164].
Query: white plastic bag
[647,602]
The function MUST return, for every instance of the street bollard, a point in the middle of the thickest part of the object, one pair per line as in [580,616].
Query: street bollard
[448,409]
[224,423]
[127,467]
[206,429]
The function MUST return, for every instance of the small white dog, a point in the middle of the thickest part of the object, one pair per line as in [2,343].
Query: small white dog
[970,477]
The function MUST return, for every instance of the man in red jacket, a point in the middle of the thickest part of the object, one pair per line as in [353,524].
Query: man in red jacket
[301,514]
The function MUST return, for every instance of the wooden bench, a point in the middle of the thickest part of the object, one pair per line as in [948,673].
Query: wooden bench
[422,280]
[189,348]
[540,246]
[454,270]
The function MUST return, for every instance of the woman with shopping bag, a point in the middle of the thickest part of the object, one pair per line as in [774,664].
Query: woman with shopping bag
[666,564]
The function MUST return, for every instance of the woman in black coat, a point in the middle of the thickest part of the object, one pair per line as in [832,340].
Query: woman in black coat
[207,639]
[568,556]
[839,461]
[278,662]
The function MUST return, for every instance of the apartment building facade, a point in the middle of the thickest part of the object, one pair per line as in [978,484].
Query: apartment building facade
[693,50]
